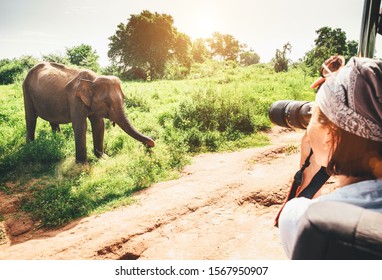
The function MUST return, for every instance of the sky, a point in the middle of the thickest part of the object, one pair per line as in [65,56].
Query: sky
[41,27]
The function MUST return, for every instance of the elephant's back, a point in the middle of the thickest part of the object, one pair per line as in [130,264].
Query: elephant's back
[51,75]
[45,86]
[46,81]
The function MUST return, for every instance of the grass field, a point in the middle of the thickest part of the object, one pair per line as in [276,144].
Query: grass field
[220,107]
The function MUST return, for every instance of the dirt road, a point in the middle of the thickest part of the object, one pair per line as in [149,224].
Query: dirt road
[222,207]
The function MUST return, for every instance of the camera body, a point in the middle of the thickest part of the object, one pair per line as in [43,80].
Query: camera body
[291,113]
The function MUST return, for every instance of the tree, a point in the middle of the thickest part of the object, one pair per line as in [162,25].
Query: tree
[329,42]
[249,57]
[200,52]
[148,41]
[179,64]
[83,56]
[224,46]
[182,50]
[353,48]
[281,60]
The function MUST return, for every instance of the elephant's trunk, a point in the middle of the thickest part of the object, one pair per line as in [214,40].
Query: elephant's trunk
[125,124]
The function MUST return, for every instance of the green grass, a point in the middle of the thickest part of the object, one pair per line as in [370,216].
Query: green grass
[219,107]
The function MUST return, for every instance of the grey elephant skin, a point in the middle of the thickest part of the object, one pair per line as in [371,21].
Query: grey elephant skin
[60,95]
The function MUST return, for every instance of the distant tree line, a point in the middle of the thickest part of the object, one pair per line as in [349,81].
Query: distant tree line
[82,56]
[150,47]
[150,41]
[329,42]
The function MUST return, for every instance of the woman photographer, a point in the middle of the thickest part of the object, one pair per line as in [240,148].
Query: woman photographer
[345,134]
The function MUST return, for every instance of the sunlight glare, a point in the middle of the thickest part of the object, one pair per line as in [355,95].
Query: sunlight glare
[204,25]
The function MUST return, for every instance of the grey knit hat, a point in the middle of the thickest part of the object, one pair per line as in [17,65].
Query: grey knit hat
[352,98]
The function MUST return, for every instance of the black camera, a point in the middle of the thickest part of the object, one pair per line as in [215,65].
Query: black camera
[291,113]
[297,114]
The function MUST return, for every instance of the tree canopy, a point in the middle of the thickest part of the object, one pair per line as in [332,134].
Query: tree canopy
[83,56]
[224,46]
[249,57]
[148,41]
[329,42]
[200,52]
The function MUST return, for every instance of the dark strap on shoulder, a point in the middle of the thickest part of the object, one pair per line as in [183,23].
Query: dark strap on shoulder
[317,182]
[310,190]
[297,179]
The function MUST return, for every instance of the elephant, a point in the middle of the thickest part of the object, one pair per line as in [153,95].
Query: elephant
[60,95]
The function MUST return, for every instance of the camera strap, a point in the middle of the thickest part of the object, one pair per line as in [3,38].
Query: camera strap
[297,179]
[315,185]
[310,190]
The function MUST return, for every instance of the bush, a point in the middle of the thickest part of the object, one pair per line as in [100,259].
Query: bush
[13,70]
[10,72]
[209,119]
[55,205]
[212,112]
[47,149]
[175,70]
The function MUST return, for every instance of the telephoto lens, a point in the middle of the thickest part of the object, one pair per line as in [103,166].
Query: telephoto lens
[291,113]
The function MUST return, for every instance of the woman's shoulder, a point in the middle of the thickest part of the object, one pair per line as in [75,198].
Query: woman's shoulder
[367,194]
[294,209]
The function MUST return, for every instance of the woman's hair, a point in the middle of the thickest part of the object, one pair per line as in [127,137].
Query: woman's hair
[352,155]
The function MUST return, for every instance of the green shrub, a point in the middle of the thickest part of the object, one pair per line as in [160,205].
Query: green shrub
[10,72]
[210,118]
[14,70]
[175,70]
[48,148]
[136,102]
[55,205]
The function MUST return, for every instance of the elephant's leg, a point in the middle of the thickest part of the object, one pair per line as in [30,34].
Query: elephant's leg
[79,127]
[31,126]
[55,127]
[98,130]
[30,119]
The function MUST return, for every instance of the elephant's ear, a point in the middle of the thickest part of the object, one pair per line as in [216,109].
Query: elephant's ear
[84,91]
[82,86]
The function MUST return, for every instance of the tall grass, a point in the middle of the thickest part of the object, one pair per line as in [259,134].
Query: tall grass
[219,107]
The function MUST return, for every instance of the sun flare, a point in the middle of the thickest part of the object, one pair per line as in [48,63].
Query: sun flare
[203,25]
